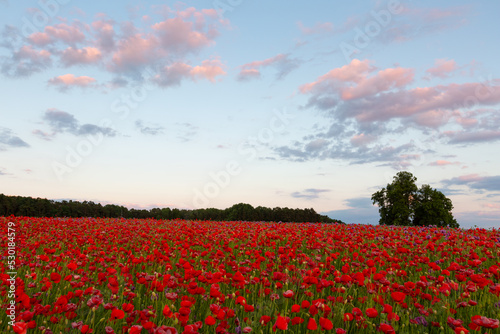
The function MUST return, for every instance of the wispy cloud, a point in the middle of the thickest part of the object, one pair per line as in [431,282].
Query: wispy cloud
[476,182]
[152,130]
[63,122]
[9,139]
[68,81]
[282,63]
[309,194]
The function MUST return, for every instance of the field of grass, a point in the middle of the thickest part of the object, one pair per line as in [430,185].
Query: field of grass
[153,276]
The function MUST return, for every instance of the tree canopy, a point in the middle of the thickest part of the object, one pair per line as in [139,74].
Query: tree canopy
[403,203]
[38,207]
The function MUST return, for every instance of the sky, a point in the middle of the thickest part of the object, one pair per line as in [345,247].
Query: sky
[212,103]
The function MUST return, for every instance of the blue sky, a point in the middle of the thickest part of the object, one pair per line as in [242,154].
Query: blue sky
[212,103]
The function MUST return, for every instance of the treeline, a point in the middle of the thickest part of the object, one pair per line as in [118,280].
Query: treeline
[41,207]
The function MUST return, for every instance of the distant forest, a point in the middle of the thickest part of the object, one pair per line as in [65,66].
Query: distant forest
[41,207]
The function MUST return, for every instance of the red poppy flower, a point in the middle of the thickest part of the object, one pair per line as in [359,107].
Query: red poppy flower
[398,296]
[135,329]
[209,320]
[371,313]
[325,324]
[55,277]
[167,312]
[311,324]
[281,323]
[128,307]
[117,314]
[20,328]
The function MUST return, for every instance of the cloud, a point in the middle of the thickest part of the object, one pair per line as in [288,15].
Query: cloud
[67,34]
[105,34]
[355,91]
[67,81]
[442,68]
[25,62]
[397,157]
[318,28]
[64,122]
[84,56]
[9,139]
[121,48]
[475,181]
[248,74]
[356,80]
[173,75]
[415,22]
[464,137]
[281,62]
[443,163]
[309,194]
[149,130]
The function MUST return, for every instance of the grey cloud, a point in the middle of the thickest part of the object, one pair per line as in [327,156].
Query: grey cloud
[149,130]
[64,122]
[309,194]
[396,157]
[476,182]
[61,121]
[9,139]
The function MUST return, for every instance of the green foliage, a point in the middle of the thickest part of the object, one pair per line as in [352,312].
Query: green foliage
[37,207]
[402,203]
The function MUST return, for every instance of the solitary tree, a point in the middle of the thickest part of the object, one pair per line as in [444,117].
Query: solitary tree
[402,203]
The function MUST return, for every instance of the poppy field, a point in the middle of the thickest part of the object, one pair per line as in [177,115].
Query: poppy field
[87,275]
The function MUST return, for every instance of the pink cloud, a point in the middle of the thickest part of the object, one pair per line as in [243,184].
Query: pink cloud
[384,80]
[180,36]
[353,72]
[249,74]
[59,32]
[174,74]
[492,206]
[209,69]
[362,139]
[40,38]
[134,51]
[282,62]
[318,28]
[105,34]
[86,55]
[353,81]
[443,163]
[28,52]
[432,118]
[70,80]
[266,62]
[470,178]
[442,68]
[406,103]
